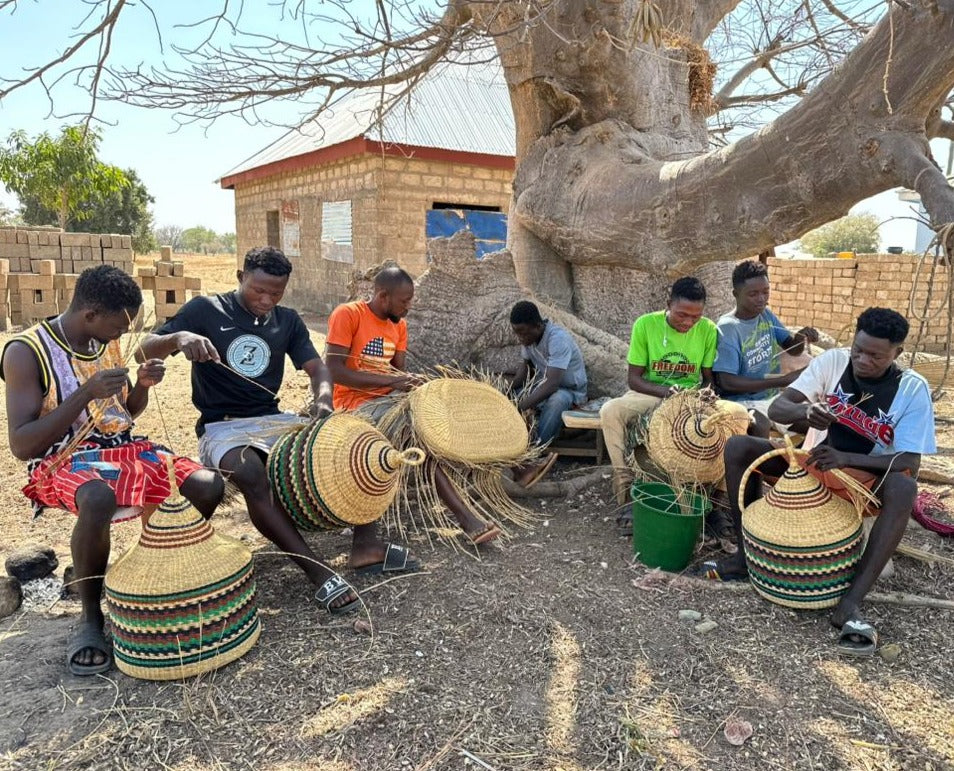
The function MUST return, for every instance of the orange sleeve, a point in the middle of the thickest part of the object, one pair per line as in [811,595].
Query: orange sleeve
[401,344]
[342,325]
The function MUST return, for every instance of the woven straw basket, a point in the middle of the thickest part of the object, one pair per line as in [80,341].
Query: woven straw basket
[687,434]
[467,421]
[802,543]
[181,601]
[338,471]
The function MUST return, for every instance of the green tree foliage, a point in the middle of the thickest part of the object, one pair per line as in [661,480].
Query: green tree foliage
[854,233]
[228,242]
[124,211]
[201,240]
[63,175]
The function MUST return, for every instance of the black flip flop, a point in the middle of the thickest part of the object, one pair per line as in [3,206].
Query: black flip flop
[710,571]
[397,559]
[331,590]
[88,635]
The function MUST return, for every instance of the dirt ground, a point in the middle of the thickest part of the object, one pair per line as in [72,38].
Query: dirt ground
[553,651]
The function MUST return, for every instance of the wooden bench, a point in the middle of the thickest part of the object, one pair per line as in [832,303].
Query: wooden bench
[586,447]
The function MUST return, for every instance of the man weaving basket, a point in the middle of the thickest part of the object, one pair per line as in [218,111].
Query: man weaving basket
[868,418]
[70,410]
[237,343]
[366,354]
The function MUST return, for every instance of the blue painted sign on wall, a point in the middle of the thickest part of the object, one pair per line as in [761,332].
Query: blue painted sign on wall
[489,227]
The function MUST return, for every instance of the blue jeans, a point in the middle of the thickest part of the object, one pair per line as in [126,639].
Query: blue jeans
[550,415]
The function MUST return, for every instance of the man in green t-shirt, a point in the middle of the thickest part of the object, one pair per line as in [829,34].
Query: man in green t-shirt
[669,350]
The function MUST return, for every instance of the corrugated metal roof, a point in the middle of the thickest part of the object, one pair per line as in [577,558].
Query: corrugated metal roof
[463,107]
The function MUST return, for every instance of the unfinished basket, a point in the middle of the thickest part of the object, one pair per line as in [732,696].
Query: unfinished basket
[467,421]
[687,435]
[181,601]
[336,472]
[802,543]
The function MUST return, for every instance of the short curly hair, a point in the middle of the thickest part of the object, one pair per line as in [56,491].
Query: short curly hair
[746,270]
[688,288]
[883,323]
[525,312]
[106,289]
[269,260]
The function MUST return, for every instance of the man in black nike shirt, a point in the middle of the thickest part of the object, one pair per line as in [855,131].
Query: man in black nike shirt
[237,343]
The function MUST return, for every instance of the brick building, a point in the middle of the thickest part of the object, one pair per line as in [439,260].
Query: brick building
[364,183]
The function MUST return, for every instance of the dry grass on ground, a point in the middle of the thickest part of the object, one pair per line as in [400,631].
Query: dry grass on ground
[554,651]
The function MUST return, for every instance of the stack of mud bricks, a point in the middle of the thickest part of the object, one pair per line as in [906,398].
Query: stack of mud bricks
[169,284]
[32,295]
[70,252]
[829,294]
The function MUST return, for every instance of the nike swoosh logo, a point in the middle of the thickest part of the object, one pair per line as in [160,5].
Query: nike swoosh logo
[225,329]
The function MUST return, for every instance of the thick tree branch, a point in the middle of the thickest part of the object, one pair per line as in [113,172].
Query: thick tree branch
[840,144]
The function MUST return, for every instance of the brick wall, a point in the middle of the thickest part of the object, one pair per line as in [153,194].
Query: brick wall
[829,294]
[390,197]
[24,247]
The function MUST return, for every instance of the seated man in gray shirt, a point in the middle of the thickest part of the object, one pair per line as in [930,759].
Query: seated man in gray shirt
[551,376]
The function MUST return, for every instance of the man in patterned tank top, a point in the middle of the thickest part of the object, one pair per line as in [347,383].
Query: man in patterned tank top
[70,411]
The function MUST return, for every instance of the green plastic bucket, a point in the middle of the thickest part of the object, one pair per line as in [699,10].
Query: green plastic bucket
[666,525]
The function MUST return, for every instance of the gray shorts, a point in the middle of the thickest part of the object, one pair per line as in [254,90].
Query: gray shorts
[260,433]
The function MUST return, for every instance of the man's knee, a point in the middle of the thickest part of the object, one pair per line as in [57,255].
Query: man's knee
[898,493]
[740,451]
[95,502]
[204,488]
[246,470]
[612,412]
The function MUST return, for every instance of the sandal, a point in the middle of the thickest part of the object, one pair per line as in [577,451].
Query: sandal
[331,590]
[397,559]
[858,638]
[89,635]
[711,571]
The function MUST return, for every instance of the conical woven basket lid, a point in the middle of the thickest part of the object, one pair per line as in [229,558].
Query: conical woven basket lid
[687,435]
[800,512]
[351,469]
[181,601]
[467,421]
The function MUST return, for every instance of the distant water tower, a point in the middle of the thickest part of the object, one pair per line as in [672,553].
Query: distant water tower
[923,234]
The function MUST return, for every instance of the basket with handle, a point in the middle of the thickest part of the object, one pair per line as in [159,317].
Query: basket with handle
[181,600]
[802,542]
[338,471]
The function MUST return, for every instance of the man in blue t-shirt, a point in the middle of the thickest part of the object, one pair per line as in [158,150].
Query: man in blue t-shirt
[868,418]
[551,375]
[751,340]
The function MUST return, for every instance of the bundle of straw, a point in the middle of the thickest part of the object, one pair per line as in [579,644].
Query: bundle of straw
[472,433]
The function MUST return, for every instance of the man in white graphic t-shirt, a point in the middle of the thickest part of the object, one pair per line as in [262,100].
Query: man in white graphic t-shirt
[871,420]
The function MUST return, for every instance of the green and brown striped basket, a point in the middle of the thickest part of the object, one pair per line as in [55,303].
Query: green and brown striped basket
[181,601]
[336,472]
[802,542]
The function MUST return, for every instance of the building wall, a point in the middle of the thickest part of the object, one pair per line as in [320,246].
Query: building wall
[390,197]
[829,294]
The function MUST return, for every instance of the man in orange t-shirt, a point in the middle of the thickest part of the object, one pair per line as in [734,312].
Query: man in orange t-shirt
[367,347]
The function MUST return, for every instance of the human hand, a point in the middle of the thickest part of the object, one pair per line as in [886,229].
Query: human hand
[106,383]
[323,406]
[407,382]
[196,347]
[150,372]
[819,415]
[826,458]
[806,334]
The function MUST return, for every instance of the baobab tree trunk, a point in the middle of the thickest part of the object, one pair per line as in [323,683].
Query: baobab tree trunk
[613,170]
[616,190]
